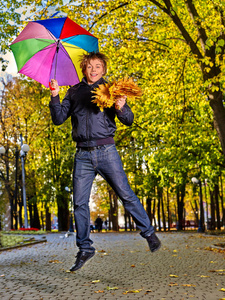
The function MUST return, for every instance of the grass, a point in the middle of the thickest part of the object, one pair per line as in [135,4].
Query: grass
[11,240]
[14,232]
[17,237]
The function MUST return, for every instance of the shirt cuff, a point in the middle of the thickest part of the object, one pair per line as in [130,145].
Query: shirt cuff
[55,99]
[121,111]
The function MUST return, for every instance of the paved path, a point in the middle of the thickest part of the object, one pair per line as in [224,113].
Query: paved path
[123,268]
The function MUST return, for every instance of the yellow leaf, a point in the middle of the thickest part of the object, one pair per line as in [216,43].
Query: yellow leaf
[223,290]
[99,291]
[132,291]
[112,288]
[95,281]
[188,285]
[173,284]
[173,275]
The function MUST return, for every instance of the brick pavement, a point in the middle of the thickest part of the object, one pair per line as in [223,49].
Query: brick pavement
[123,268]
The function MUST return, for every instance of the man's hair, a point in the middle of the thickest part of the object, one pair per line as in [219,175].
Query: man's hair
[85,60]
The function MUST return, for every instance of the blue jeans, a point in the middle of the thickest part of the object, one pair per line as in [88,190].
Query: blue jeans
[104,161]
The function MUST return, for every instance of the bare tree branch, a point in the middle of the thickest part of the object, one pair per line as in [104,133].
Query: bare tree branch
[173,15]
[196,20]
[102,16]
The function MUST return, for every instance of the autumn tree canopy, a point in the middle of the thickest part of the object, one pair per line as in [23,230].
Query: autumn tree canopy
[174,51]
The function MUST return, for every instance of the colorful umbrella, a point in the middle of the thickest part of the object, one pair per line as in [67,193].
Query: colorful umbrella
[51,49]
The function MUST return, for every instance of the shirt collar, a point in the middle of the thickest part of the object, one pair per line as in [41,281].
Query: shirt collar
[100,81]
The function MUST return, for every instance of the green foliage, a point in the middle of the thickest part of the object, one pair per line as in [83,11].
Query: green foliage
[174,50]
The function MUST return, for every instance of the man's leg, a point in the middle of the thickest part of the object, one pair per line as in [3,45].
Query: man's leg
[83,176]
[110,167]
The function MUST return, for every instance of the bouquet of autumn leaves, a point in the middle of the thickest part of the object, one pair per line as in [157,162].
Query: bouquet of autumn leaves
[107,94]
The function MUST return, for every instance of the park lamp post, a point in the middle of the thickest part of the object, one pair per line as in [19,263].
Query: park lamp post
[71,229]
[201,227]
[23,152]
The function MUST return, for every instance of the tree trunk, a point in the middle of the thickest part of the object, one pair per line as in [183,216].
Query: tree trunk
[36,220]
[180,207]
[216,191]
[114,209]
[168,209]
[31,214]
[153,213]
[63,213]
[47,219]
[159,205]
[179,212]
[212,204]
[148,208]
[163,215]
[222,201]
[125,219]
[216,103]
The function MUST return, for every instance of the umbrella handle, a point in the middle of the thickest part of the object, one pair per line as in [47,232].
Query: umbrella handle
[51,88]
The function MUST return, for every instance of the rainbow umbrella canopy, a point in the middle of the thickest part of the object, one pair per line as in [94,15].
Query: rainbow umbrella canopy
[51,49]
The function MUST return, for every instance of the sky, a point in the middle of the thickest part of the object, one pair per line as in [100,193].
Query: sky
[12,68]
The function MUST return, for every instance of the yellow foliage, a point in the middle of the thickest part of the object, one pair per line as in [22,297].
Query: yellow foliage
[107,94]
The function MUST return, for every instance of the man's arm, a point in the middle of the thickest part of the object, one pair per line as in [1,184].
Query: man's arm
[59,111]
[123,111]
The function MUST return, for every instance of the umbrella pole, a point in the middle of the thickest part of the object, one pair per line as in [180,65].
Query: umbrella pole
[57,50]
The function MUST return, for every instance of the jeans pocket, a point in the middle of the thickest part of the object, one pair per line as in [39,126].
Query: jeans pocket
[79,154]
[111,153]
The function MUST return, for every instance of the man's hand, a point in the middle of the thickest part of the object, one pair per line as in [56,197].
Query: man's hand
[120,102]
[54,87]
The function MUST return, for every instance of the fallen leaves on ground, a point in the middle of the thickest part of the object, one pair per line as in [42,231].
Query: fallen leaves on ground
[99,291]
[55,261]
[219,272]
[103,252]
[173,284]
[112,288]
[132,291]
[95,281]
[188,285]
[215,249]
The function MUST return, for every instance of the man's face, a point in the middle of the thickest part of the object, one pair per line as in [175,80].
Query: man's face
[94,70]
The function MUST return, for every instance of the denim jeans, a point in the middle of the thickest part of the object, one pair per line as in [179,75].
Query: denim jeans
[104,161]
